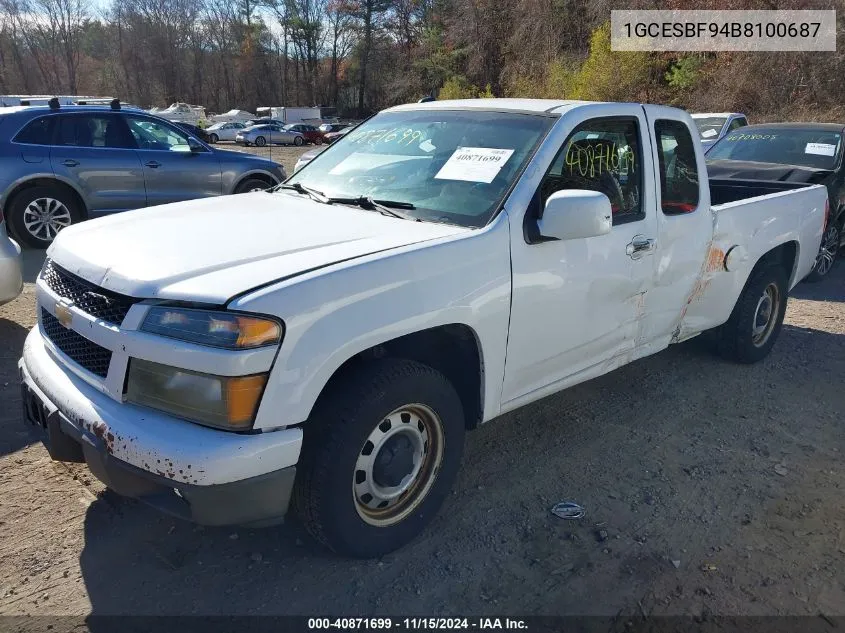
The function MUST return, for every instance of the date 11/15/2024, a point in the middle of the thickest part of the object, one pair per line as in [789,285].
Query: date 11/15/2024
[417,624]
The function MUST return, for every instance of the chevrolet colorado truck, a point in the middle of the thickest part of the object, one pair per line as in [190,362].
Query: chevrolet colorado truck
[327,344]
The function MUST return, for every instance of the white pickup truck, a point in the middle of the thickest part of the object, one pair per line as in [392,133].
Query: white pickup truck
[327,344]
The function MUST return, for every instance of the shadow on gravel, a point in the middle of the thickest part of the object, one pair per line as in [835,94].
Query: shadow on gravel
[831,288]
[13,434]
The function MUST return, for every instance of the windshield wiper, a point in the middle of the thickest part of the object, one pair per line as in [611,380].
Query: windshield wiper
[308,191]
[385,207]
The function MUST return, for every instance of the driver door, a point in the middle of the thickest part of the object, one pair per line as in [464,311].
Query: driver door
[578,304]
[172,171]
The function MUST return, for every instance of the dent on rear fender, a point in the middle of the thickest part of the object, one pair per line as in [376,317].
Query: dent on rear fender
[699,298]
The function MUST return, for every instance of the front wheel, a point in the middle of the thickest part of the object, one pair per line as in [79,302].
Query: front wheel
[380,455]
[252,184]
[260,141]
[827,254]
[298,141]
[757,318]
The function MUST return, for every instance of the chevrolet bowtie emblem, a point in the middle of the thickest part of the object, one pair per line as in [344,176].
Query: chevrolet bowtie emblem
[63,314]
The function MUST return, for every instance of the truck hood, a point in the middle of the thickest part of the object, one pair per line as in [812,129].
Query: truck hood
[212,249]
[752,170]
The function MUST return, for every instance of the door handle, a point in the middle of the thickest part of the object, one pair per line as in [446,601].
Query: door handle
[639,246]
[70,163]
[153,164]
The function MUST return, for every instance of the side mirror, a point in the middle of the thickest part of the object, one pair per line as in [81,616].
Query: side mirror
[576,213]
[195,145]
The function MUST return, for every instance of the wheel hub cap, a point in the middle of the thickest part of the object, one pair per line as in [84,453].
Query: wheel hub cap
[766,315]
[397,465]
[45,217]
[395,461]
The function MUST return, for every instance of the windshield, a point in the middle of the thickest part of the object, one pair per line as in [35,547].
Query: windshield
[451,166]
[786,146]
[709,127]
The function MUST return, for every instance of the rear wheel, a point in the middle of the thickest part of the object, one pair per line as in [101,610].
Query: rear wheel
[261,141]
[381,452]
[213,138]
[827,253]
[37,215]
[757,318]
[318,140]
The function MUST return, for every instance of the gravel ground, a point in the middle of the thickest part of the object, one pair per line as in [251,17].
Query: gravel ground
[710,488]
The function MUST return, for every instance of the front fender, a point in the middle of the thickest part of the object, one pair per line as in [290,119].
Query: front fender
[334,313]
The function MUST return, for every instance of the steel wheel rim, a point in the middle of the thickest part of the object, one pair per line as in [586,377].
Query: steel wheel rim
[43,218]
[765,315]
[377,501]
[828,250]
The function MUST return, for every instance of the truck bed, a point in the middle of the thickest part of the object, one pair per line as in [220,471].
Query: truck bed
[726,190]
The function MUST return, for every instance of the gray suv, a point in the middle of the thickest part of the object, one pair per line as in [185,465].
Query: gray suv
[62,165]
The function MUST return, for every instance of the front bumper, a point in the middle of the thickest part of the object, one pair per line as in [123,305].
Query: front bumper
[204,475]
[11,278]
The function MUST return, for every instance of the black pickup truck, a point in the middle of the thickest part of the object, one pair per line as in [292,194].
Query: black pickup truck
[764,158]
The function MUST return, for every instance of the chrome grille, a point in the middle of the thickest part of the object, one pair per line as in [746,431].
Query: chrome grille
[85,353]
[98,302]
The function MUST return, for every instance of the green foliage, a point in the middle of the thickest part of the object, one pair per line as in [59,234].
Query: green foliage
[683,74]
[457,87]
[613,76]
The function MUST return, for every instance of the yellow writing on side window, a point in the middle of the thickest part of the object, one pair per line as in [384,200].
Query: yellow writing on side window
[597,159]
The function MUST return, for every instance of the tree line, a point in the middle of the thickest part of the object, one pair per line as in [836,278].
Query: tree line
[364,55]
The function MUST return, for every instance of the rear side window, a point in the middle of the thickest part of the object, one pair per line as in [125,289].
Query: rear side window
[678,167]
[37,132]
[737,123]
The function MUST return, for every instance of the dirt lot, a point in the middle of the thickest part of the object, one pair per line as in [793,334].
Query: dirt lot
[284,154]
[709,488]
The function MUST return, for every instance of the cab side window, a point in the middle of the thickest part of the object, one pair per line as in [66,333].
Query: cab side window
[601,155]
[678,167]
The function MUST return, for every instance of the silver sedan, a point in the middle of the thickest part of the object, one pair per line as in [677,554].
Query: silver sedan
[271,134]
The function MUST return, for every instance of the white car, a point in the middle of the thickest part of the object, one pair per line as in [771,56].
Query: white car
[224,131]
[447,262]
[712,126]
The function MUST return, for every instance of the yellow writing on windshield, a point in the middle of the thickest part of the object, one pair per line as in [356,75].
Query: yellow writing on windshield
[752,137]
[397,135]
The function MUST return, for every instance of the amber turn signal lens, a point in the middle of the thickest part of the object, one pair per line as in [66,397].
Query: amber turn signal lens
[242,397]
[257,332]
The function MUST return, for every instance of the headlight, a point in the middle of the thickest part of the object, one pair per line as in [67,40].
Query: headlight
[216,329]
[220,401]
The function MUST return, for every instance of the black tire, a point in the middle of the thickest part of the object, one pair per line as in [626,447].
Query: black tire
[298,141]
[828,251]
[260,141]
[252,184]
[336,436]
[736,339]
[213,139]
[319,141]
[17,209]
